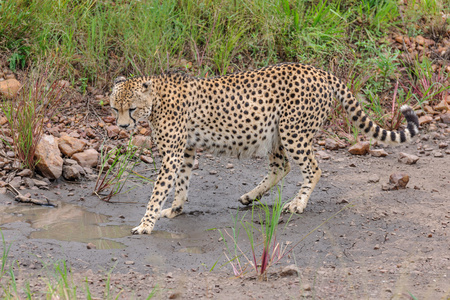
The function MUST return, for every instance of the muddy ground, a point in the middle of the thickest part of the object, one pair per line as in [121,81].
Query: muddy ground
[382,245]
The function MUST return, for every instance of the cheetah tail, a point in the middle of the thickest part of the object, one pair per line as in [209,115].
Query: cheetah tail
[358,117]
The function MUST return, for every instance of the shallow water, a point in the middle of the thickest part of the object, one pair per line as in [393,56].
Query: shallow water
[67,222]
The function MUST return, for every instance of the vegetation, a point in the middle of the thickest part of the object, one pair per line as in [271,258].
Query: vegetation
[28,113]
[59,282]
[94,41]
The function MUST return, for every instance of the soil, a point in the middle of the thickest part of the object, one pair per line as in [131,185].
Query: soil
[368,243]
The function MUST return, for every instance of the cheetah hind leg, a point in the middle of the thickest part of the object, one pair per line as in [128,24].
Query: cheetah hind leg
[181,186]
[279,167]
[311,175]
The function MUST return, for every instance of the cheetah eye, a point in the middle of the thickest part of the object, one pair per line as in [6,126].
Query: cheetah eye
[132,109]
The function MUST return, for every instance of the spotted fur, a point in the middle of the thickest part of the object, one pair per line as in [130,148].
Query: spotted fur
[274,111]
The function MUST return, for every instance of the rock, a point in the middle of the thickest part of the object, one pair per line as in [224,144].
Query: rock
[195,164]
[25,173]
[69,145]
[123,134]
[374,178]
[40,183]
[3,121]
[445,118]
[141,141]
[71,173]
[323,155]
[63,83]
[9,88]
[87,158]
[399,180]
[331,144]
[90,133]
[425,119]
[408,159]
[48,157]
[112,131]
[109,119]
[213,172]
[360,148]
[229,166]
[291,270]
[378,152]
[442,106]
[29,183]
[129,262]
[70,162]
[443,145]
[91,246]
[147,159]
[438,154]
[16,181]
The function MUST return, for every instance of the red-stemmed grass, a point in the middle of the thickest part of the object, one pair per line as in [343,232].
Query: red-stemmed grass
[28,112]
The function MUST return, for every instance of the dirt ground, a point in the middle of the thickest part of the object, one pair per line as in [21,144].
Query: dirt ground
[382,245]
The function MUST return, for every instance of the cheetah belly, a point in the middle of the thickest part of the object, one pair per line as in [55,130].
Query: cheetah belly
[234,142]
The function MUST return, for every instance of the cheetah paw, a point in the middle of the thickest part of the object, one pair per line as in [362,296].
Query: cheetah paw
[171,212]
[294,207]
[143,228]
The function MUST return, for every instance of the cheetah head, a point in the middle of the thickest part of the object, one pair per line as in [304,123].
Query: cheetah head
[131,100]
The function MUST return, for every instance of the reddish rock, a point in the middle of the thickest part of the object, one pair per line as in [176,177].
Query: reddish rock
[442,106]
[90,133]
[49,157]
[109,119]
[9,88]
[378,152]
[70,145]
[3,121]
[123,134]
[112,131]
[399,180]
[425,119]
[445,118]
[87,158]
[408,159]
[331,144]
[360,148]
[141,141]
[147,159]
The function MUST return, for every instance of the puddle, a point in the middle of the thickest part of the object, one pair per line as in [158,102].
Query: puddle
[169,235]
[67,222]
[192,250]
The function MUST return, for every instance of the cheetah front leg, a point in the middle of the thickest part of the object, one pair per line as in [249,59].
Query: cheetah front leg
[181,185]
[279,167]
[167,173]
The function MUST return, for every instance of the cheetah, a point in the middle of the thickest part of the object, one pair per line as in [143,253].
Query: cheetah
[273,111]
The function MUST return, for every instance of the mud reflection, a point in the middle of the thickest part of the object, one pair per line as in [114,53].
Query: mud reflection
[67,222]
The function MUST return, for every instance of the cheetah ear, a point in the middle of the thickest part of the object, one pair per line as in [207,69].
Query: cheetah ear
[146,86]
[119,79]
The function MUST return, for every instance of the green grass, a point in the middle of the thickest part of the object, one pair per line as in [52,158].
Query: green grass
[98,40]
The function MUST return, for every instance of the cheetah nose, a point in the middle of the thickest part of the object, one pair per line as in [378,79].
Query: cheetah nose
[124,126]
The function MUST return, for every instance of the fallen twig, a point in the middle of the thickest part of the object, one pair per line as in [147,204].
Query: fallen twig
[21,198]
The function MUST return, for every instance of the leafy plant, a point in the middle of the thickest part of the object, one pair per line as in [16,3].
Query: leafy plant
[272,251]
[114,171]
[28,112]
[426,85]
